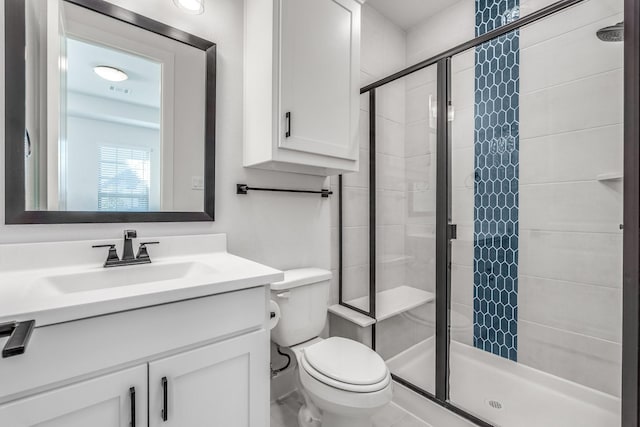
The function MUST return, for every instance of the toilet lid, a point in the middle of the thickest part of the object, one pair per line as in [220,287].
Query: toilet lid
[346,361]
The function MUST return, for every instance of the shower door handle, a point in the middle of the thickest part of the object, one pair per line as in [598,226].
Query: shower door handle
[452,231]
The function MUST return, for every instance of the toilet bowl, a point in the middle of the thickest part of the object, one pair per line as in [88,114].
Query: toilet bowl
[343,382]
[347,381]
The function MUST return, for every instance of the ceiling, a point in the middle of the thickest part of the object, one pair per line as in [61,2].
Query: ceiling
[142,87]
[408,13]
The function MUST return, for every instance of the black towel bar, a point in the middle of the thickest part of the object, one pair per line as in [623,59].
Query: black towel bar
[244,189]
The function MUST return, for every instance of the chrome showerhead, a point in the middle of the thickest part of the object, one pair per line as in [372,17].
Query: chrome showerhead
[613,33]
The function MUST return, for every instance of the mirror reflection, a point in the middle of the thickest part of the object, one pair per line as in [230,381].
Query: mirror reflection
[115,115]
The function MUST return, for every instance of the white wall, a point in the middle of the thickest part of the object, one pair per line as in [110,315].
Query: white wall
[283,231]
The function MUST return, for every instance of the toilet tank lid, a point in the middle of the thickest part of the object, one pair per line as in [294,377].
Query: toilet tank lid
[301,277]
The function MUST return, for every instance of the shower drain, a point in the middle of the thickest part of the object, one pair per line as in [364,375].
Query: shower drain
[494,404]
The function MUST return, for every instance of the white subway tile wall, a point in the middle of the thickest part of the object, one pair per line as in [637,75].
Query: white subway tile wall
[570,239]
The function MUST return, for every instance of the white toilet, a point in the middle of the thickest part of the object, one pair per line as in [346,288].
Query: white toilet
[343,382]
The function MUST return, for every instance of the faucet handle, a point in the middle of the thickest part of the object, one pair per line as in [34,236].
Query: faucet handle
[112,256]
[142,250]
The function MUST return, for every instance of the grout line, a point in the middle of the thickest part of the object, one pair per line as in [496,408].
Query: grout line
[536,184]
[599,286]
[395,156]
[546,135]
[585,232]
[572,282]
[547,86]
[453,264]
[419,121]
[464,305]
[577,181]
[541,230]
[540,325]
[380,116]
[598,20]
[355,187]
[587,129]
[579,79]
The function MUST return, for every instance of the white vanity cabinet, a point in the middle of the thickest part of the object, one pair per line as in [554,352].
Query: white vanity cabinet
[215,385]
[113,400]
[204,360]
[302,98]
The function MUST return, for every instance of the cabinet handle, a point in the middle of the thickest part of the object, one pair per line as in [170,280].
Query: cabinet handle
[288,117]
[19,334]
[165,399]
[132,397]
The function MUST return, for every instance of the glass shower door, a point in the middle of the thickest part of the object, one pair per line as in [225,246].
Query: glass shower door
[536,269]
[406,129]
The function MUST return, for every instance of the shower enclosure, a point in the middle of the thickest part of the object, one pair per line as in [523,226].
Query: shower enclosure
[490,199]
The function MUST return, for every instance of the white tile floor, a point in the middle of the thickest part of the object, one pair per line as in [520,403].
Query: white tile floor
[284,413]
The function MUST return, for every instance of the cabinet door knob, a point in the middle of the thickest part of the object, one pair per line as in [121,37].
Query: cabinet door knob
[288,117]
[165,399]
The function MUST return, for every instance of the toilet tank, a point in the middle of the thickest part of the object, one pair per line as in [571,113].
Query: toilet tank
[303,298]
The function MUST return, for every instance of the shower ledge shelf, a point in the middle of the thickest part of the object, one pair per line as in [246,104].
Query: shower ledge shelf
[614,176]
[394,259]
[389,303]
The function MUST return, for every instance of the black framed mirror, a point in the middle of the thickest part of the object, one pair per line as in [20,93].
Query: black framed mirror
[109,116]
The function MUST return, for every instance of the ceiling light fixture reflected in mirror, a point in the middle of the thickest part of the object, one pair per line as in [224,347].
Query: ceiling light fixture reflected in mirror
[190,6]
[111,74]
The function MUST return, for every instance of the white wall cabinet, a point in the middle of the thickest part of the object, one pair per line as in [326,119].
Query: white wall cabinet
[217,385]
[100,402]
[302,98]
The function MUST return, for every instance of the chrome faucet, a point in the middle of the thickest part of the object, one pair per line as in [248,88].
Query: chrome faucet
[128,258]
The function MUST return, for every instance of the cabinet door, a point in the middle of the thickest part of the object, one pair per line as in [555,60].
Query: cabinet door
[223,384]
[101,402]
[319,76]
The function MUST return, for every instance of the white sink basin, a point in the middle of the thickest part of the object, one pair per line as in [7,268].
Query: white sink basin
[116,277]
[56,282]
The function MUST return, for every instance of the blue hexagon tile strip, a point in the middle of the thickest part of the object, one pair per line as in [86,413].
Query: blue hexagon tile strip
[496,145]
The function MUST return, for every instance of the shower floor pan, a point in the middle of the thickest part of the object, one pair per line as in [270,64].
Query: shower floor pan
[506,393]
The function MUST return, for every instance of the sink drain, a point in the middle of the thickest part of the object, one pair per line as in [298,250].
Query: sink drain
[494,404]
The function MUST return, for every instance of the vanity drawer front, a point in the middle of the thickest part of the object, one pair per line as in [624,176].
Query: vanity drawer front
[68,352]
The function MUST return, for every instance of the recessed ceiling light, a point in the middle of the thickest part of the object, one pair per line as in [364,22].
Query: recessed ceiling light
[110,73]
[195,7]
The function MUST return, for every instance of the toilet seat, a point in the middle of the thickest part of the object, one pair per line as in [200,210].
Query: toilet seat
[346,365]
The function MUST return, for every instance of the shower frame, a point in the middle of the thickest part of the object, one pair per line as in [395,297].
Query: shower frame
[445,230]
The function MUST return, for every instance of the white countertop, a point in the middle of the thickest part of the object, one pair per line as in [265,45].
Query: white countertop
[24,266]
